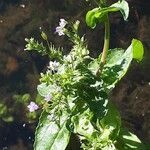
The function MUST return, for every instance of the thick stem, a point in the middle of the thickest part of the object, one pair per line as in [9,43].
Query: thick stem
[106,41]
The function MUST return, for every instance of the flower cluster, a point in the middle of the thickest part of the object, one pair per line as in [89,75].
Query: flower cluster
[61,27]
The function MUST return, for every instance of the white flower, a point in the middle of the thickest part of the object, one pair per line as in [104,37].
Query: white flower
[60,31]
[62,23]
[53,65]
[32,106]
[60,28]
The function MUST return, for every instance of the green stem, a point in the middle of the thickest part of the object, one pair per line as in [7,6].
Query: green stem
[106,41]
[105,47]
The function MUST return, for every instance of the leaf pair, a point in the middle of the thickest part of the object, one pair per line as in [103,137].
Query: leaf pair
[97,15]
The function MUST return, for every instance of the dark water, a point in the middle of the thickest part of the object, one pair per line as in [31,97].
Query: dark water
[16,135]
[5,3]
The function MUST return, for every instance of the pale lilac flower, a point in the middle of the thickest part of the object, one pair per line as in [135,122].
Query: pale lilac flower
[60,28]
[32,106]
[48,97]
[60,31]
[62,23]
[53,65]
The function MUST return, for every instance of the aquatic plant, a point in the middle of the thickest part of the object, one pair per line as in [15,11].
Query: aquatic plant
[76,88]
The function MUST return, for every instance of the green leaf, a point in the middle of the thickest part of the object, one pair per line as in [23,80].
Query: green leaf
[123,8]
[129,141]
[97,15]
[26,97]
[8,119]
[93,17]
[100,135]
[50,136]
[112,121]
[82,123]
[90,89]
[119,61]
[43,89]
[44,36]
[138,50]
[3,109]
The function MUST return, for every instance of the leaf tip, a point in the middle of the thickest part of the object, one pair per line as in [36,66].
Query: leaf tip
[137,49]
